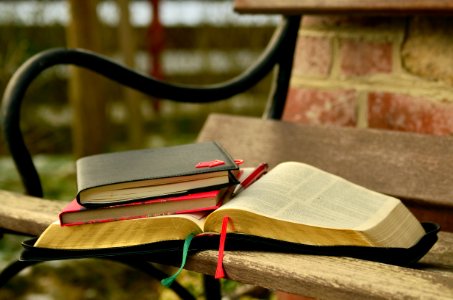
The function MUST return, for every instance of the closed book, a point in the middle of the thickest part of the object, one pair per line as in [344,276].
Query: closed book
[75,214]
[129,176]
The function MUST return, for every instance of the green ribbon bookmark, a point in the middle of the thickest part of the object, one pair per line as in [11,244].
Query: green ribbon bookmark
[169,280]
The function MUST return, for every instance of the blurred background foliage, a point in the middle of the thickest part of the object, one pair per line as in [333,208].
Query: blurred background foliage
[197,52]
[204,42]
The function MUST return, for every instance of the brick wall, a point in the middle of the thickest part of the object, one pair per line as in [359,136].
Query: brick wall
[388,73]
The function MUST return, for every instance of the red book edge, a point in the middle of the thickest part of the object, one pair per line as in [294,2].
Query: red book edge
[74,207]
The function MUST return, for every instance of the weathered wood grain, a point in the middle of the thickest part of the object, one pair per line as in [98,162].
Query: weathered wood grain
[369,7]
[27,215]
[336,277]
[416,168]
[318,276]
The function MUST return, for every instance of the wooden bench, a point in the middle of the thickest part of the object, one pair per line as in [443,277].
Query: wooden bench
[421,178]
[345,7]
[369,157]
[27,215]
[256,140]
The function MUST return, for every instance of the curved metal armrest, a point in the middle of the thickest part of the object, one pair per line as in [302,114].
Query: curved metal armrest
[20,81]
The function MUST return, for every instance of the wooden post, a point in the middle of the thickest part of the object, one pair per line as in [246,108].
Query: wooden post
[133,98]
[86,88]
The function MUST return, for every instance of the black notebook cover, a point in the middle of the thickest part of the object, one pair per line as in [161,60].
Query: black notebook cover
[241,242]
[148,164]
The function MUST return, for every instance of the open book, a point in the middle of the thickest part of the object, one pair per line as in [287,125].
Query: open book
[294,202]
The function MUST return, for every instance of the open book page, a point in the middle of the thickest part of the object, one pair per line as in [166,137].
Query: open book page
[121,233]
[300,193]
[331,209]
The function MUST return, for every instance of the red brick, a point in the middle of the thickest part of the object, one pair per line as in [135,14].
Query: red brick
[360,57]
[312,106]
[409,113]
[313,56]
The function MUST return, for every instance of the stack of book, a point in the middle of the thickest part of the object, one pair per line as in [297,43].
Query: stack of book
[294,208]
[151,182]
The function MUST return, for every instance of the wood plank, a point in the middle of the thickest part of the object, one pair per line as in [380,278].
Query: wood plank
[336,277]
[416,168]
[27,215]
[369,7]
[310,275]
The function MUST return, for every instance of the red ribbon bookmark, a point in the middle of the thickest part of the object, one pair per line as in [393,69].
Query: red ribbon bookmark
[209,164]
[220,272]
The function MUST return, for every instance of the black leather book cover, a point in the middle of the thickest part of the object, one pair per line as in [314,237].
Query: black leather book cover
[149,164]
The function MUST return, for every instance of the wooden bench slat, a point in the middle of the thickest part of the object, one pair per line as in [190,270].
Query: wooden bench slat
[414,167]
[374,7]
[317,276]
[336,277]
[27,215]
